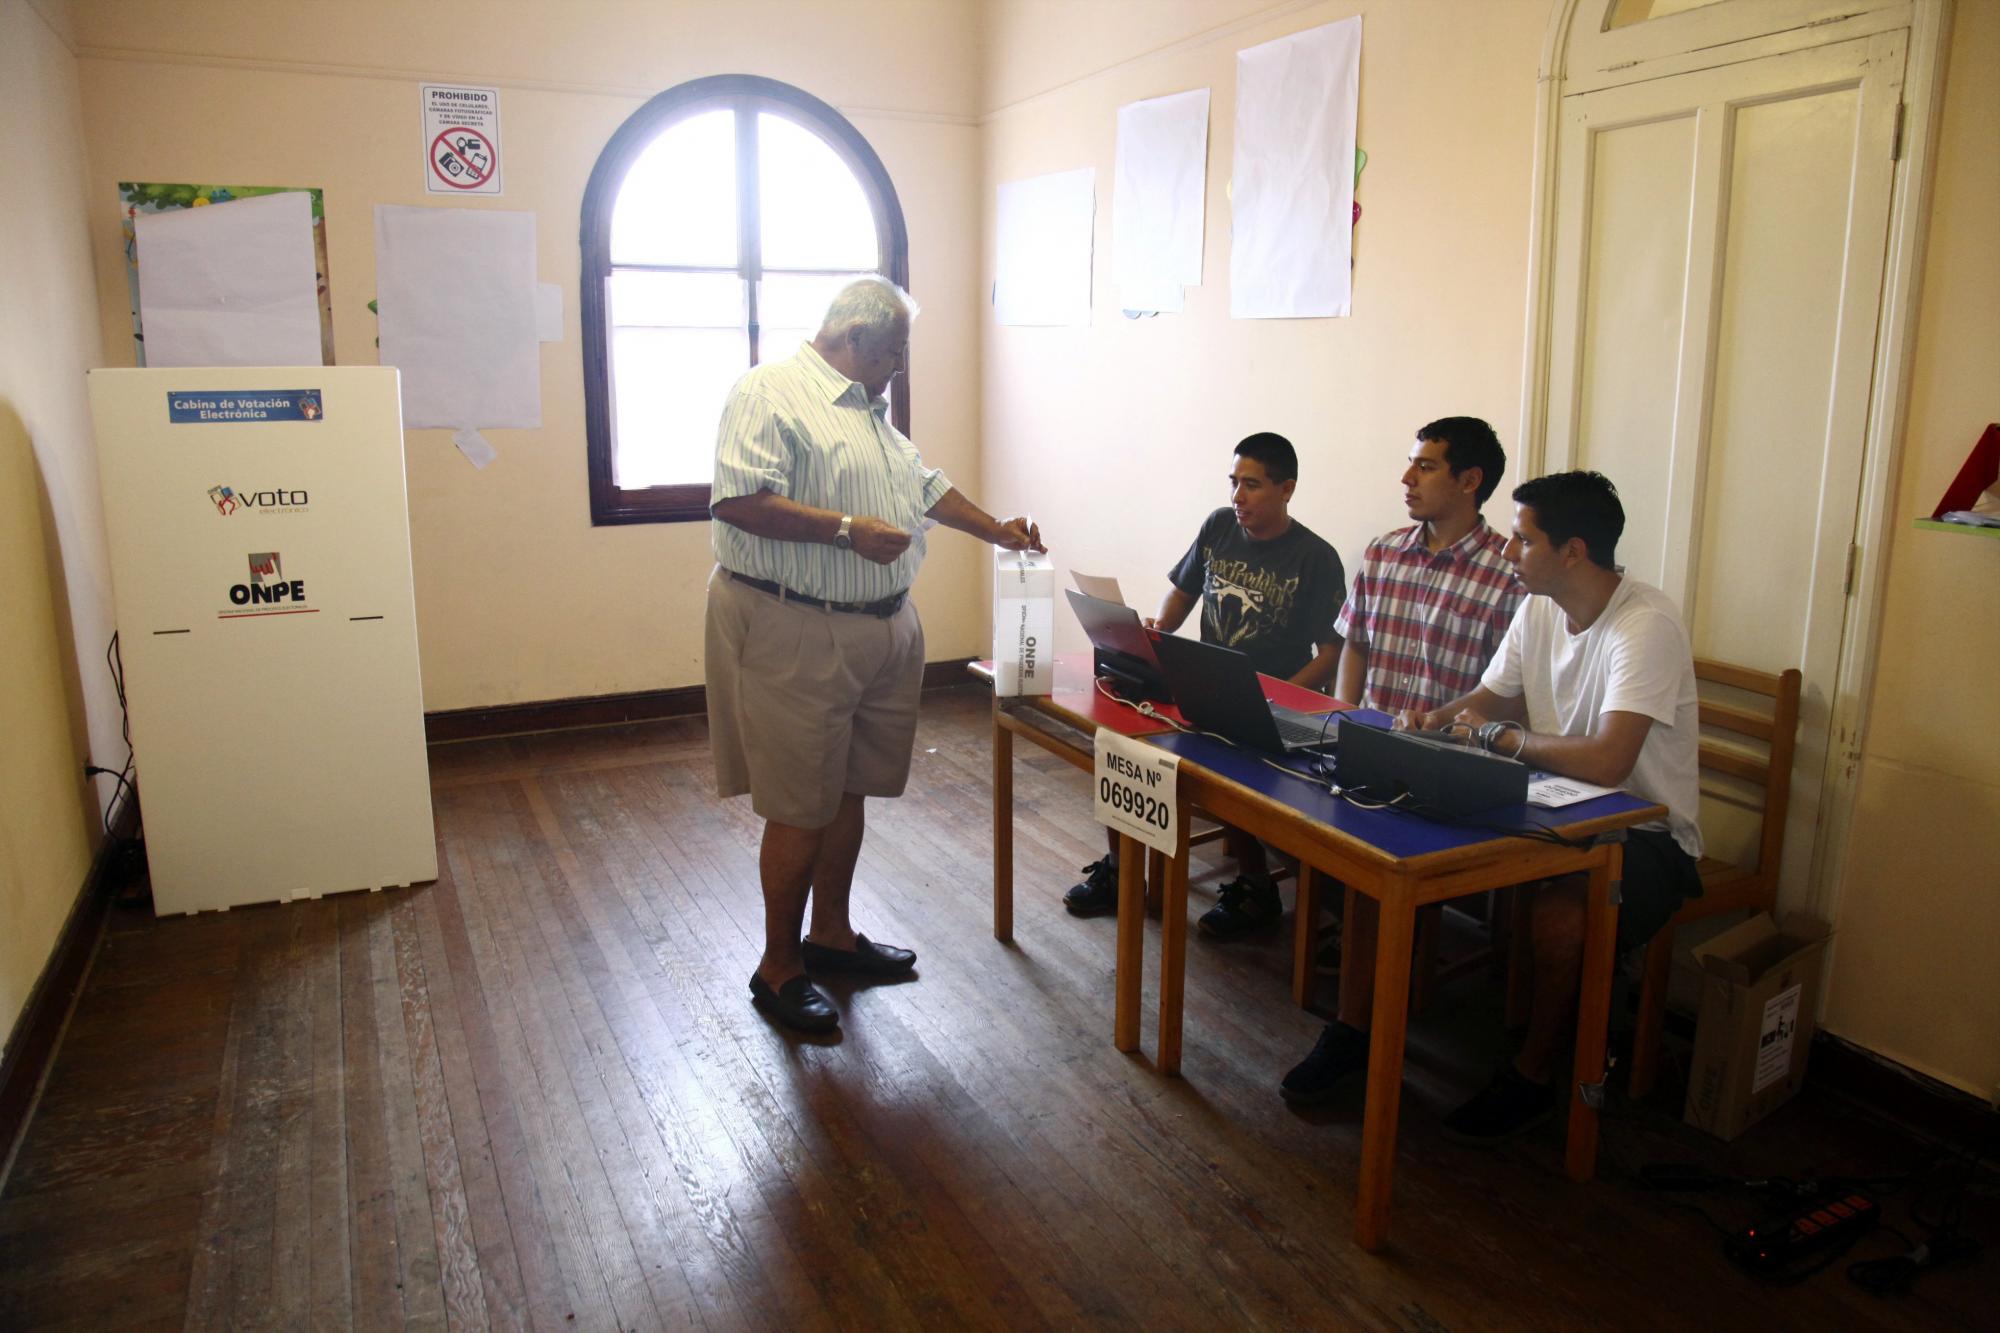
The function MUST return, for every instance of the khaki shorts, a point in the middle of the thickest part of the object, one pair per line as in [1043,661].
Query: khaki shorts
[807,705]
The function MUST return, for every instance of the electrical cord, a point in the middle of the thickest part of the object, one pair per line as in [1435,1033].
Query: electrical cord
[122,778]
[1401,802]
[1937,1208]
[1145,708]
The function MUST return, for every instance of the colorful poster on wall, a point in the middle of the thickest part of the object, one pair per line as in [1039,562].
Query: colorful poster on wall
[138,198]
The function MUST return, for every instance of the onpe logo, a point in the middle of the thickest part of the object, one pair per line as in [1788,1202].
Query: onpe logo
[267,583]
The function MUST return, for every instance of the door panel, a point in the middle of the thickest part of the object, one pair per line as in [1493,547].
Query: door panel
[1643,188]
[1789,185]
[1716,282]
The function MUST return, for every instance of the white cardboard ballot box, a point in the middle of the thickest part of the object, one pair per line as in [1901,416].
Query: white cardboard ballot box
[1024,590]
[260,557]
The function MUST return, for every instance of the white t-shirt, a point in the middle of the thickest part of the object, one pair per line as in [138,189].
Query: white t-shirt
[1634,658]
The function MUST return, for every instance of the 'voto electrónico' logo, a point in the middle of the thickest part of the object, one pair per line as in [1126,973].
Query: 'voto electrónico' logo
[283,500]
[268,592]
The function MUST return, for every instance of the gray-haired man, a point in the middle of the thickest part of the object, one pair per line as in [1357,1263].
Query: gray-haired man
[814,653]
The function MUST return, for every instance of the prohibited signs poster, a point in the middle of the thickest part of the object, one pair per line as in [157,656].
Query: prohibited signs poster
[461,139]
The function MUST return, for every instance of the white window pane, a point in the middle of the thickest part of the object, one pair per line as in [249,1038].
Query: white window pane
[670,385]
[790,307]
[814,212]
[676,300]
[678,202]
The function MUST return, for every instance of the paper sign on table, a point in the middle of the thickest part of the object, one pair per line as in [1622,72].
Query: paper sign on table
[1136,787]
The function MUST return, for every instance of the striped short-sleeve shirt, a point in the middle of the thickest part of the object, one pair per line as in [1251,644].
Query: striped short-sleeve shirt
[801,429]
[1429,620]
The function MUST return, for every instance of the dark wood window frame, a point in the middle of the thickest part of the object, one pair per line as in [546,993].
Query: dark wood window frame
[747,95]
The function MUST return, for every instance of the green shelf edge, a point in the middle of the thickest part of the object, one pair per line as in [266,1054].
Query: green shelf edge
[1935,526]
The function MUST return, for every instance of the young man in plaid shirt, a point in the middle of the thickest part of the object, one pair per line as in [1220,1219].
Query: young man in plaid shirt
[1426,612]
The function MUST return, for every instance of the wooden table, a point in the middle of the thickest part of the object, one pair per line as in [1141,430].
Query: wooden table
[1401,862]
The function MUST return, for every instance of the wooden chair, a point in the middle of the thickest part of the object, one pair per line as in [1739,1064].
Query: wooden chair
[1726,887]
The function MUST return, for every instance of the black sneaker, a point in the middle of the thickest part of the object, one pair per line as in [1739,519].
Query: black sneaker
[1510,1105]
[1327,961]
[1098,894]
[1340,1051]
[1246,903]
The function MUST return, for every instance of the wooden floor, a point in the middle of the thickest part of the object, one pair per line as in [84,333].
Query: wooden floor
[535,1094]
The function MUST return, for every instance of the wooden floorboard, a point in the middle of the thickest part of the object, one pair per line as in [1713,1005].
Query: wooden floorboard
[534,1095]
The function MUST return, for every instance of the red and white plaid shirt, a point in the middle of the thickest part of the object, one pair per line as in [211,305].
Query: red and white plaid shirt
[1429,620]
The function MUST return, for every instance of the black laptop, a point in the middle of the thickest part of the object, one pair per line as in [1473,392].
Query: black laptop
[1123,649]
[1436,773]
[1216,690]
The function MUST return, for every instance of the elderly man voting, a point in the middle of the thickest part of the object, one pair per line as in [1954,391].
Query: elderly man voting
[814,653]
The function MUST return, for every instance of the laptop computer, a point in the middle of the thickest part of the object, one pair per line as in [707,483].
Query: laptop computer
[1123,648]
[1216,689]
[1436,773]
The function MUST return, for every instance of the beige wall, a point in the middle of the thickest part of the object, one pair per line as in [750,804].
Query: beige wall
[1913,968]
[518,596]
[54,608]
[1116,435]
[1119,434]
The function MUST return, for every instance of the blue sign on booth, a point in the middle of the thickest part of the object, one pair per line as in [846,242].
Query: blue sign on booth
[245,405]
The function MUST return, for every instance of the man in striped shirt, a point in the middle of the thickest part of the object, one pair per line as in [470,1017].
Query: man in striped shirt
[814,655]
[1432,601]
[1428,609]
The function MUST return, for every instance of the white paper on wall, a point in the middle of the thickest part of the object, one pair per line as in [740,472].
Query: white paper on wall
[1157,200]
[548,312]
[457,293]
[1291,240]
[1043,248]
[231,284]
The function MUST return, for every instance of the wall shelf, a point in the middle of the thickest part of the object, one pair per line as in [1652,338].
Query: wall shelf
[1936,525]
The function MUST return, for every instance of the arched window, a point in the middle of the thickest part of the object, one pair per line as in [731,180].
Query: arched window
[718,223]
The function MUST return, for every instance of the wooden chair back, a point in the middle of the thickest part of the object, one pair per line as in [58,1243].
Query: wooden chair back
[1777,730]
[1727,887]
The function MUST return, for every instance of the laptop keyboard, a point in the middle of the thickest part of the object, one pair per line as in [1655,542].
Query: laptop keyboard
[1295,732]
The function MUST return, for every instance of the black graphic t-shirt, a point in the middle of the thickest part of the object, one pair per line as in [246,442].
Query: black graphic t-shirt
[1273,600]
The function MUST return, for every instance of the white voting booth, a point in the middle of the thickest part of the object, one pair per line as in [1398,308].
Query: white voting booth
[260,555]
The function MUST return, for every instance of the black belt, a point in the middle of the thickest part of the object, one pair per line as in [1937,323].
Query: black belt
[883,609]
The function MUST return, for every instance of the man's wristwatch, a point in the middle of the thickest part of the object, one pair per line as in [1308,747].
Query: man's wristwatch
[843,536]
[1488,735]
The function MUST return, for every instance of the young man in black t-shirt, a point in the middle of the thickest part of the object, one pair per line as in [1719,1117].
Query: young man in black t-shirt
[1269,587]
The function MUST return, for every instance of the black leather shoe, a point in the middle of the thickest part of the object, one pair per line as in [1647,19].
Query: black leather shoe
[866,957]
[796,1004]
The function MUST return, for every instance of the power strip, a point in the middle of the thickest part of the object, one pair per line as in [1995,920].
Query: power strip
[1772,1248]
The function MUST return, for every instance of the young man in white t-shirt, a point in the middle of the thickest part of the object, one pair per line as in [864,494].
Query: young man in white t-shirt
[1595,679]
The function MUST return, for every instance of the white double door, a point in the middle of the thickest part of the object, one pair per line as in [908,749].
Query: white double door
[1716,286]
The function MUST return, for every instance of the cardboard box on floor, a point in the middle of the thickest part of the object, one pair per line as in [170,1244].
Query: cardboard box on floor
[1759,990]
